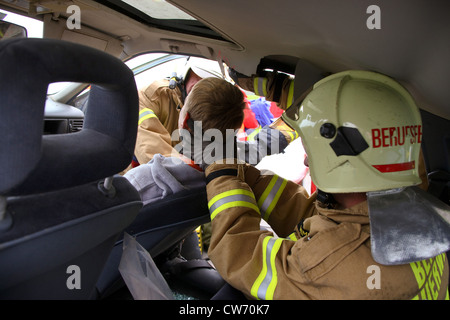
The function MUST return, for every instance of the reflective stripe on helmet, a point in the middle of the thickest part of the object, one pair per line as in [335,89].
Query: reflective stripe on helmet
[231,199]
[395,167]
[265,284]
[145,114]
[372,125]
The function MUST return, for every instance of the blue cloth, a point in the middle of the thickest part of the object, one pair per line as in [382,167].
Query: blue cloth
[260,108]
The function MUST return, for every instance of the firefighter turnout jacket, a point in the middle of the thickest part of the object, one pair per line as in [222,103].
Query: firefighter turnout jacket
[274,86]
[312,252]
[159,108]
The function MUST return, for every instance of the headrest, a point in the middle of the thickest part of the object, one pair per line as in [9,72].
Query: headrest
[31,162]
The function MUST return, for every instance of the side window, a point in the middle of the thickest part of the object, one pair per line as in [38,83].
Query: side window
[161,71]
[34,27]
[147,68]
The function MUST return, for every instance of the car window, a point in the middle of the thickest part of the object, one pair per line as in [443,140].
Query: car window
[163,15]
[147,68]
[35,28]
[150,67]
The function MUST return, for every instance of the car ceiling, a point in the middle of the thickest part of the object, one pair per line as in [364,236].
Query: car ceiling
[412,46]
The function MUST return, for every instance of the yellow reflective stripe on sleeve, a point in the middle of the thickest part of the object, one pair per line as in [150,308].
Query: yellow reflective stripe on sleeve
[253,134]
[260,86]
[231,199]
[290,98]
[145,114]
[292,134]
[266,283]
[271,195]
[288,130]
[292,237]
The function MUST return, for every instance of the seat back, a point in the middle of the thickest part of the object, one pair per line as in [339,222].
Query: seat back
[62,205]
[159,226]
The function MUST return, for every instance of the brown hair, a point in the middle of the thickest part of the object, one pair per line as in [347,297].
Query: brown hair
[217,104]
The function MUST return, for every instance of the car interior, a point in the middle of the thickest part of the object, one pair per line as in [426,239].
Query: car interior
[62,199]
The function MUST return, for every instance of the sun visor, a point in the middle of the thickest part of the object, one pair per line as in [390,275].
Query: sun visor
[407,225]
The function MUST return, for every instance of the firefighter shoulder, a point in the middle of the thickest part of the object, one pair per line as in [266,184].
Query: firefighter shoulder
[318,250]
[158,117]
[274,86]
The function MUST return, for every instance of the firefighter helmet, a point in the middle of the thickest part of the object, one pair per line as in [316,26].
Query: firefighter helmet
[361,131]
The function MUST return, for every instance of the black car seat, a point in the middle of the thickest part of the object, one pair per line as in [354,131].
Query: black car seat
[159,228]
[62,204]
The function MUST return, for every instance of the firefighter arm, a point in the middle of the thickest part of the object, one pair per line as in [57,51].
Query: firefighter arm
[240,250]
[274,86]
[282,203]
[288,133]
[152,136]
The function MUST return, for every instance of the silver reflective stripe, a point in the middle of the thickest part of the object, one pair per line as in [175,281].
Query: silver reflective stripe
[270,196]
[266,283]
[259,85]
[232,198]
[145,114]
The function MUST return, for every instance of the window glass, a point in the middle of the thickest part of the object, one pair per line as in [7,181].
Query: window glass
[35,28]
[161,71]
[159,9]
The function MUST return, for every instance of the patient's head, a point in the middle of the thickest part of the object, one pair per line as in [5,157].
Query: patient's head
[216,103]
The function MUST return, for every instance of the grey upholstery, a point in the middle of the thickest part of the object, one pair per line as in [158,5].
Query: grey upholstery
[55,211]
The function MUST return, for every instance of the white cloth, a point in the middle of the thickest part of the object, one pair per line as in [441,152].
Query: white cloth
[163,176]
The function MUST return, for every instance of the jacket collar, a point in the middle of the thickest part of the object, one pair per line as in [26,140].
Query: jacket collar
[357,214]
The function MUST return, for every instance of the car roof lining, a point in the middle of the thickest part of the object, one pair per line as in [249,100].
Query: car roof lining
[334,36]
[329,34]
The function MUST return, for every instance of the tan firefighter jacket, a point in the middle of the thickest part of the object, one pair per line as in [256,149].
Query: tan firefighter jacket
[276,87]
[317,253]
[159,107]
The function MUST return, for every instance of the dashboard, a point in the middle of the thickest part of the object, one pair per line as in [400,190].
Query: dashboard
[62,118]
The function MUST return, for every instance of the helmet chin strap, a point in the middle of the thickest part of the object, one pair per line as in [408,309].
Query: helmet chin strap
[326,198]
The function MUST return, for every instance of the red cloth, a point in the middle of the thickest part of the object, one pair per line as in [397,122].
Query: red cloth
[250,121]
[275,110]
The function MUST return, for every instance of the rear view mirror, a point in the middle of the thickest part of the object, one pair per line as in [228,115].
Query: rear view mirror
[9,30]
